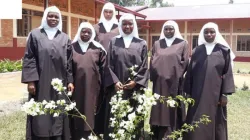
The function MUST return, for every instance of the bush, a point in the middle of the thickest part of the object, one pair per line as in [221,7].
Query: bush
[245,87]
[238,71]
[7,65]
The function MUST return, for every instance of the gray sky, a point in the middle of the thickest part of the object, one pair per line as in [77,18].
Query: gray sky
[203,2]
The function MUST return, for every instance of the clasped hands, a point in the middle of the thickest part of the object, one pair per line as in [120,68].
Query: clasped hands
[129,85]
[32,88]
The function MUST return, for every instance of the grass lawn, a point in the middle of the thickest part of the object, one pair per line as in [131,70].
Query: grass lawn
[12,127]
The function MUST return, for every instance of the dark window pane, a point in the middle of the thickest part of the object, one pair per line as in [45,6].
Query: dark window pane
[155,38]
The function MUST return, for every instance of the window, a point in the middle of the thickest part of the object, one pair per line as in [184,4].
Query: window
[243,43]
[155,38]
[32,19]
[82,20]
[195,41]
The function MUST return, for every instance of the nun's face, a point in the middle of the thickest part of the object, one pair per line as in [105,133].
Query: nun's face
[209,35]
[108,14]
[85,34]
[169,31]
[52,19]
[127,26]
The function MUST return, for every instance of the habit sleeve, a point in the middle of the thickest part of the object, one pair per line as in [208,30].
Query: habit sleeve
[69,63]
[142,75]
[110,77]
[188,77]
[30,65]
[151,59]
[228,86]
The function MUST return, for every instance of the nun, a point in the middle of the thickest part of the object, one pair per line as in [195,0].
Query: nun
[168,64]
[125,51]
[89,58]
[107,27]
[48,55]
[209,80]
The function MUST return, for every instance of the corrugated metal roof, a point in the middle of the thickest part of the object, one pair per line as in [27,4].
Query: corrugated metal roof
[229,11]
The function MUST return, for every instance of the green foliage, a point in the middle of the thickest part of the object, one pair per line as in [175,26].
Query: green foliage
[245,87]
[128,2]
[159,3]
[7,65]
[189,127]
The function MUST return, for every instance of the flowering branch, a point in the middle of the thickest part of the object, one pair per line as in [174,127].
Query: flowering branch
[189,127]
[56,108]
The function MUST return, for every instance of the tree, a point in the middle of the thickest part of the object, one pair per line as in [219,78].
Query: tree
[159,3]
[231,1]
[128,2]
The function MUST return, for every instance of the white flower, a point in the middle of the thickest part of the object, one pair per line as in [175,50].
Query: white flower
[133,73]
[171,103]
[112,135]
[70,107]
[61,102]
[56,115]
[50,105]
[44,102]
[131,116]
[139,109]
[69,93]
[82,139]
[136,66]
[91,137]
[157,96]
[56,81]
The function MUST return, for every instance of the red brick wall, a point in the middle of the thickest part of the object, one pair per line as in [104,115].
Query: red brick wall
[74,27]
[6,40]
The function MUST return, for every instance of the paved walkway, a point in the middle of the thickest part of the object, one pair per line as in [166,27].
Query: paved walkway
[11,88]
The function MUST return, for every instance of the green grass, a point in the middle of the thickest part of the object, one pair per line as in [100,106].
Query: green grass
[239,116]
[242,66]
[12,127]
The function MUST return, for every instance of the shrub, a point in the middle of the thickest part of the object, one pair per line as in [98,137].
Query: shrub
[245,87]
[7,65]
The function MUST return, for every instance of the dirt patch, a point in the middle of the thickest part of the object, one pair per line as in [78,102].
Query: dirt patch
[239,80]
[11,87]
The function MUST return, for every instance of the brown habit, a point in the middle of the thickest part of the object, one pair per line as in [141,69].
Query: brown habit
[44,60]
[104,37]
[119,60]
[167,66]
[88,78]
[208,77]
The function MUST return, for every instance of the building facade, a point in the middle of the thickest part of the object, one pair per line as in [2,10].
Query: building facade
[235,29]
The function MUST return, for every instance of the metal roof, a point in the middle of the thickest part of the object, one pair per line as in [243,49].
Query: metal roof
[228,11]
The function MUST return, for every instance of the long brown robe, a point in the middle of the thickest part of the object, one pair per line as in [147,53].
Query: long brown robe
[103,37]
[167,66]
[208,77]
[44,60]
[88,70]
[120,59]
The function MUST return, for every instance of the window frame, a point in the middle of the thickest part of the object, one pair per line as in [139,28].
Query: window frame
[246,40]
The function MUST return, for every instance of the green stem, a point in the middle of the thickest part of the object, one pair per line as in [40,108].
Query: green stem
[81,115]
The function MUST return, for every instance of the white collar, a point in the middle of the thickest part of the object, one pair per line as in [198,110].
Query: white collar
[51,32]
[170,41]
[127,40]
[84,46]
[209,47]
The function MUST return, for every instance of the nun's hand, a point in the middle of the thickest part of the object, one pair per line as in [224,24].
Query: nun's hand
[71,87]
[31,88]
[223,100]
[118,86]
[130,85]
